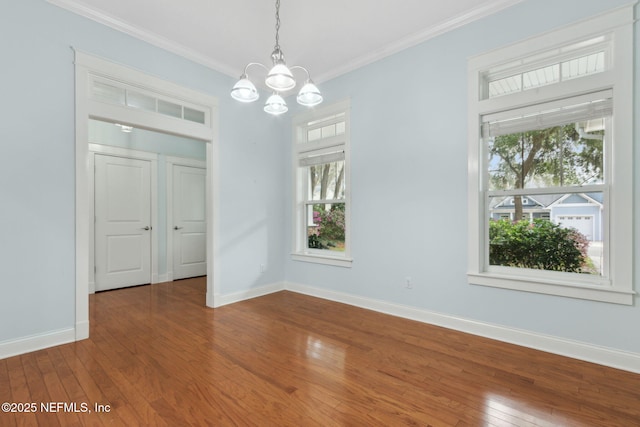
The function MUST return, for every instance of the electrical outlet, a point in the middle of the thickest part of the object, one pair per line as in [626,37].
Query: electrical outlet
[408,283]
[263,268]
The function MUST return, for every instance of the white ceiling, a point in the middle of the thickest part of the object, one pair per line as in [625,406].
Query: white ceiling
[328,37]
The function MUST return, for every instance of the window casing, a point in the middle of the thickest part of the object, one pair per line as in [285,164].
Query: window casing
[321,185]
[569,90]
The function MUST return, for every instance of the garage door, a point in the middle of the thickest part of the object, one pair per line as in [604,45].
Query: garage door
[582,223]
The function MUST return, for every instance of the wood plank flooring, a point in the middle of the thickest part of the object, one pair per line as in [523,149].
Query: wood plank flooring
[158,357]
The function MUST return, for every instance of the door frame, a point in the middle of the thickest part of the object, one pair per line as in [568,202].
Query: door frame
[172,161]
[88,67]
[126,153]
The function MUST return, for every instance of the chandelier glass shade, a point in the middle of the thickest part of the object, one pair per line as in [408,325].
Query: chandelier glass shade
[244,90]
[309,95]
[275,105]
[279,78]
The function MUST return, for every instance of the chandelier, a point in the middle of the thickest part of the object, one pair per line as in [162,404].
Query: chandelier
[279,78]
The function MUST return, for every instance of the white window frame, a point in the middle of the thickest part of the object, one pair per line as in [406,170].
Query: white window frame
[301,149]
[616,286]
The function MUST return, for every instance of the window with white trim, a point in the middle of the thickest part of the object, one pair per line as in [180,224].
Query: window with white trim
[550,120]
[321,181]
[120,94]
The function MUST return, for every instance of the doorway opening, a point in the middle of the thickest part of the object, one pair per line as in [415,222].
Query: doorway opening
[112,93]
[147,207]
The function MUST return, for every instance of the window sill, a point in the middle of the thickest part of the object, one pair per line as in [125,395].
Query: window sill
[322,259]
[602,293]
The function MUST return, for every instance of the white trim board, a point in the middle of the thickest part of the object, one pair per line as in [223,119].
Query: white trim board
[37,342]
[420,37]
[147,36]
[249,294]
[574,349]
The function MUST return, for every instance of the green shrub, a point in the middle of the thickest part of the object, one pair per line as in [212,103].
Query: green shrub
[540,245]
[314,242]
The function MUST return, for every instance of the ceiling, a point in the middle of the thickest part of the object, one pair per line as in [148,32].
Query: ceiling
[328,37]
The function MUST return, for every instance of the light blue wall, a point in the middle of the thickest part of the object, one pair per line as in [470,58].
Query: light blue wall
[409,160]
[409,180]
[37,176]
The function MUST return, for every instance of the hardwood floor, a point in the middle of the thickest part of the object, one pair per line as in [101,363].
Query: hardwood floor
[158,357]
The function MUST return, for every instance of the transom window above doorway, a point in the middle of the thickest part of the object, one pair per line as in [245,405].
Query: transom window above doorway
[123,95]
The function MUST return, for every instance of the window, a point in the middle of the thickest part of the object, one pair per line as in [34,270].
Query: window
[550,142]
[321,166]
[577,66]
[110,91]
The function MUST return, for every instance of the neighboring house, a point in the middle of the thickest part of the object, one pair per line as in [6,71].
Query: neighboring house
[580,211]
[532,207]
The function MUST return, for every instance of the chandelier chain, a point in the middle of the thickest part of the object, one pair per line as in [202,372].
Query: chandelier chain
[277,46]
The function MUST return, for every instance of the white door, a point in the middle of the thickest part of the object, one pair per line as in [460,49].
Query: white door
[189,222]
[122,222]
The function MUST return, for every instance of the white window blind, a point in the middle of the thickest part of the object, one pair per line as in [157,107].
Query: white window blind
[580,108]
[319,159]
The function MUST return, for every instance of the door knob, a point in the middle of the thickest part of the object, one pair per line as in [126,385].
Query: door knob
[177,228]
[147,228]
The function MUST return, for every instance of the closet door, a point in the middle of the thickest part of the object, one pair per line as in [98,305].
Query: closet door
[122,222]
[189,222]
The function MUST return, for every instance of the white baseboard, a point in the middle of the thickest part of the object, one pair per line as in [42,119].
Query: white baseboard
[37,342]
[162,278]
[82,330]
[578,350]
[92,287]
[221,300]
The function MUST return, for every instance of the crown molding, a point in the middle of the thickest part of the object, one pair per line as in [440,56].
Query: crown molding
[144,35]
[185,52]
[420,37]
